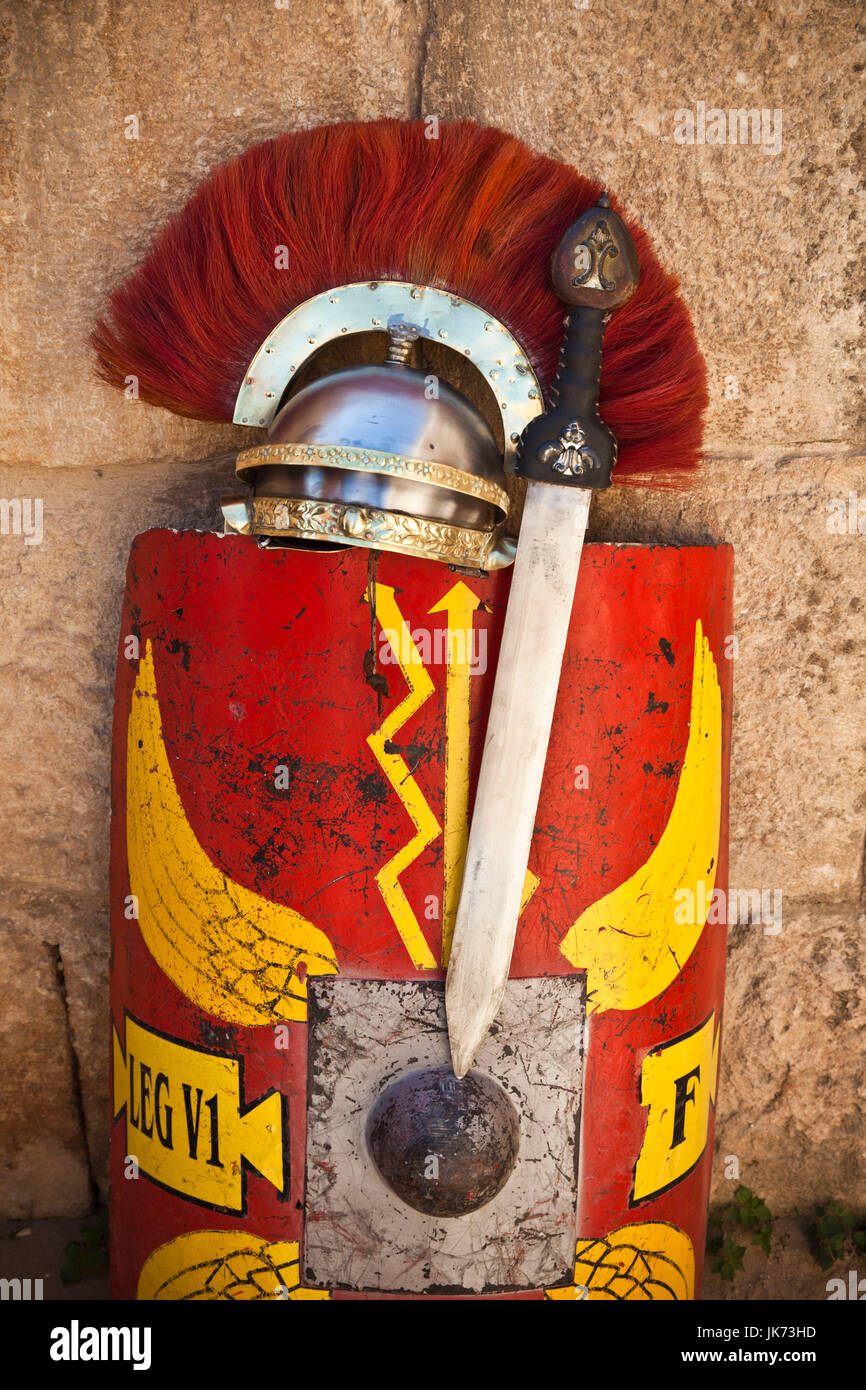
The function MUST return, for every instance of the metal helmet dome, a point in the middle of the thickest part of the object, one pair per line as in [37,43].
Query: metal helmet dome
[384,456]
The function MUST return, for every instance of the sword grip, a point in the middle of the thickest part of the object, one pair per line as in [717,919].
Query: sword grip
[570,444]
[575,386]
[594,270]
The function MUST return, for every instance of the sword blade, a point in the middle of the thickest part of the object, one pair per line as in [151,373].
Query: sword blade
[512,765]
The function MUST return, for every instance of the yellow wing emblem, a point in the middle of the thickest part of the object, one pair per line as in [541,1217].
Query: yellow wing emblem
[653,1262]
[224,1266]
[632,942]
[230,951]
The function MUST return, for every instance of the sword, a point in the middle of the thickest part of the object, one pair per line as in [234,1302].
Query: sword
[564,454]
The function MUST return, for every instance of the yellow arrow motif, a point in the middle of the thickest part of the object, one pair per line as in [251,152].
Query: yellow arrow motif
[397,771]
[632,942]
[461,604]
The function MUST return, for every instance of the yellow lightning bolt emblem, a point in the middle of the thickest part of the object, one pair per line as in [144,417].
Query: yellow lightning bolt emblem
[397,771]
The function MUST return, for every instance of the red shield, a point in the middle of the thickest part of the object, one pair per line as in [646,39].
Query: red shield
[296,742]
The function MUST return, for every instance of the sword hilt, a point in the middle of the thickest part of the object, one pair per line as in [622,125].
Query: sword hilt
[594,270]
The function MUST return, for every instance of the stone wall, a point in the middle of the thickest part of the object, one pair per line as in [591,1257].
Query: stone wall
[766,241]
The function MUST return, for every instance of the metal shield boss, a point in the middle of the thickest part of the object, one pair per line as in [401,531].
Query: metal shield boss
[297,737]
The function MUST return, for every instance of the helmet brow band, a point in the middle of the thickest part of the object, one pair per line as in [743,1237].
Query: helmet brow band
[371,461]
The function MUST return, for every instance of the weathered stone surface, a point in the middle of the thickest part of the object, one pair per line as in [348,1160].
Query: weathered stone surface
[61,602]
[792,1092]
[791,1099]
[769,247]
[75,926]
[81,201]
[43,1165]
[799,762]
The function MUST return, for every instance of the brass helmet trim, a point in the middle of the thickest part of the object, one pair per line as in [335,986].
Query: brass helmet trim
[387,306]
[372,461]
[305,519]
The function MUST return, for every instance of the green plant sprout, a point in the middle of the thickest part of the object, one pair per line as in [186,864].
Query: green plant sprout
[748,1214]
[89,1255]
[830,1231]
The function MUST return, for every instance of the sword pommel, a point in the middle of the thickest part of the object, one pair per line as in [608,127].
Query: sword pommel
[595,264]
[594,270]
